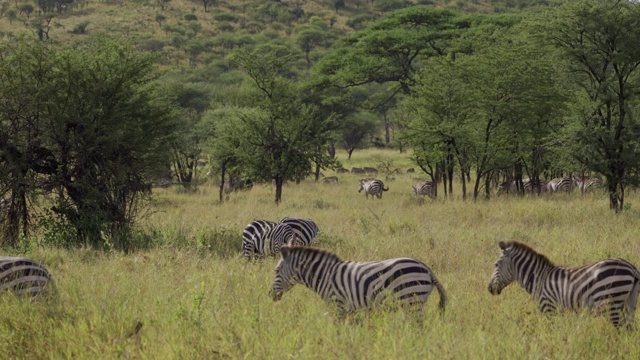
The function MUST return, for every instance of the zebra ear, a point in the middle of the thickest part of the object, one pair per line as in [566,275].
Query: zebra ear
[502,245]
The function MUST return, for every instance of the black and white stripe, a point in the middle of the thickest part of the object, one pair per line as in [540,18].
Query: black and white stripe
[372,187]
[511,187]
[255,238]
[584,183]
[355,285]
[560,184]
[304,229]
[22,276]
[424,188]
[608,286]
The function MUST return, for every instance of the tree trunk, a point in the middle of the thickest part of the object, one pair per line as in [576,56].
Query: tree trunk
[223,171]
[332,149]
[279,180]
[387,138]
[349,151]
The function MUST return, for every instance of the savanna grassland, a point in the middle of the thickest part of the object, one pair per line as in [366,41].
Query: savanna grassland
[196,297]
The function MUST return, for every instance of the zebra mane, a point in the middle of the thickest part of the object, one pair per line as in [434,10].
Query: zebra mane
[520,247]
[312,250]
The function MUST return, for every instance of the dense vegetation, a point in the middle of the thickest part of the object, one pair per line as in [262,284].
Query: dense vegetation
[266,90]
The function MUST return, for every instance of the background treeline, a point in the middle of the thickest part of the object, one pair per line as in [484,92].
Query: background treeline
[266,90]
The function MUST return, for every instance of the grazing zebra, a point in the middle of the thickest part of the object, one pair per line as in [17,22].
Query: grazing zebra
[22,276]
[355,285]
[560,184]
[330,180]
[424,188]
[606,286]
[510,187]
[255,237]
[304,229]
[372,187]
[584,183]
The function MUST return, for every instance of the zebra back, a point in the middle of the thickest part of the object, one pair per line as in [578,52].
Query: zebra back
[304,230]
[23,276]
[355,285]
[254,238]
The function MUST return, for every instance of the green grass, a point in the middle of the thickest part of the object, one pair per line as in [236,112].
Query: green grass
[198,298]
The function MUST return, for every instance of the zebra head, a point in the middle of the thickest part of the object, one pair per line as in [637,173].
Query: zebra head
[504,273]
[362,182]
[285,276]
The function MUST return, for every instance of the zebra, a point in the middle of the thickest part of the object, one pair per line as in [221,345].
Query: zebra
[583,183]
[354,285]
[255,237]
[424,188]
[609,285]
[304,229]
[510,187]
[560,184]
[23,276]
[372,187]
[330,180]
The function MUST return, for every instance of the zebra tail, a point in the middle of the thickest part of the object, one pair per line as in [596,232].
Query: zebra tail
[383,189]
[443,295]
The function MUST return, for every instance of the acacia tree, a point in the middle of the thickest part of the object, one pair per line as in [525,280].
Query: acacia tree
[94,138]
[280,141]
[599,41]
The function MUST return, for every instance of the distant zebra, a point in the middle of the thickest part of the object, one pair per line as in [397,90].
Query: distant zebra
[560,184]
[608,286]
[355,285]
[424,188]
[305,230]
[585,183]
[510,187]
[22,276]
[330,180]
[372,187]
[255,238]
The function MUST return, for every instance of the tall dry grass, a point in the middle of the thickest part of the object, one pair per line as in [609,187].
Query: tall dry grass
[196,297]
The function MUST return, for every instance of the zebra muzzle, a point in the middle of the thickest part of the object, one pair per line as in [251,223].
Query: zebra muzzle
[277,296]
[494,290]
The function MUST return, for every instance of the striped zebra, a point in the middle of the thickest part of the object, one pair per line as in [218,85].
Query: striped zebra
[22,276]
[255,238]
[560,184]
[304,229]
[608,286]
[511,187]
[424,188]
[372,187]
[586,182]
[355,285]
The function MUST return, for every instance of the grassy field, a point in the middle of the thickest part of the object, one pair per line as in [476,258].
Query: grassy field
[197,298]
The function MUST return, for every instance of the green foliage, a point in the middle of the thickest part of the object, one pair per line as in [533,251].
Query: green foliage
[81,28]
[94,136]
[596,40]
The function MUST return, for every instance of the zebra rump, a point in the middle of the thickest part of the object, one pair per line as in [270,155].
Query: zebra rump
[609,286]
[423,188]
[255,238]
[511,187]
[355,285]
[372,187]
[560,184]
[304,229]
[22,276]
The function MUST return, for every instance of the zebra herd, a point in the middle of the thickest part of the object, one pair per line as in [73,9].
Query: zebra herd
[560,184]
[608,287]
